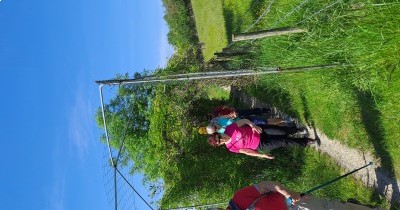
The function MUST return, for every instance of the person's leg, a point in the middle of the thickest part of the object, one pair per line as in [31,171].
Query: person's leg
[258,120]
[283,129]
[274,132]
[270,142]
[275,121]
[245,113]
[287,129]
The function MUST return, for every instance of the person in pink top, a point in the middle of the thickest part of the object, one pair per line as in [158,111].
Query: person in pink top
[247,138]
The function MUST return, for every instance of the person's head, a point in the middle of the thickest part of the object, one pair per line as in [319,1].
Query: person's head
[212,128]
[214,140]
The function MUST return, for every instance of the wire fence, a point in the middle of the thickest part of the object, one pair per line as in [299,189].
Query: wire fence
[117,177]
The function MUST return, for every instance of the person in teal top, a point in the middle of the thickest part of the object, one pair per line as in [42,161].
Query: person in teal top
[219,124]
[224,116]
[222,122]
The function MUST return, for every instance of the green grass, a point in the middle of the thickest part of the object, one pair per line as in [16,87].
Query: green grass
[215,92]
[210,28]
[215,174]
[358,104]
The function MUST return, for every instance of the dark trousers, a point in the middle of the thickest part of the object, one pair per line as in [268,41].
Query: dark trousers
[287,129]
[246,113]
[270,142]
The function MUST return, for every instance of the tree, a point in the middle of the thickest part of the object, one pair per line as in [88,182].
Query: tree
[127,116]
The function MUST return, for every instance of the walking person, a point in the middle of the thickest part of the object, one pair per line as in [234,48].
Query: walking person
[247,138]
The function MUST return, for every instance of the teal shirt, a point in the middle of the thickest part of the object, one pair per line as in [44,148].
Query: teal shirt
[223,122]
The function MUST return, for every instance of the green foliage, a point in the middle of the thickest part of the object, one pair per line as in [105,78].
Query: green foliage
[128,121]
[211,175]
[181,28]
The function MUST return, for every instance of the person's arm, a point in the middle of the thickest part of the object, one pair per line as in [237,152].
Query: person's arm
[231,115]
[254,153]
[243,122]
[268,186]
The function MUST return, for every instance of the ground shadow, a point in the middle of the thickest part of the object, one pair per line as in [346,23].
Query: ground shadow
[371,119]
[229,21]
[274,97]
[308,118]
[307,112]
[200,115]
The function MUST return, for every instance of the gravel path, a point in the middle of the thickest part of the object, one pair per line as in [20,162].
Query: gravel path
[348,158]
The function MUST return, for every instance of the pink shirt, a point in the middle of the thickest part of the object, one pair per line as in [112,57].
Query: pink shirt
[241,138]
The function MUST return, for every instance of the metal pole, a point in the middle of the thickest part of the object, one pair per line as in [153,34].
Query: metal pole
[105,124]
[115,189]
[331,181]
[213,75]
[266,33]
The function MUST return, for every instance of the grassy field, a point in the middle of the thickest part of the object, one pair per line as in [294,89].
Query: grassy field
[358,104]
[210,29]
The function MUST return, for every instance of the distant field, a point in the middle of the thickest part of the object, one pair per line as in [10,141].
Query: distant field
[210,26]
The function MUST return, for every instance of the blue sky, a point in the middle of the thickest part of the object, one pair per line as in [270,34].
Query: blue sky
[51,52]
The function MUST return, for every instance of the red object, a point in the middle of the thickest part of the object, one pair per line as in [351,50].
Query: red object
[245,196]
[223,110]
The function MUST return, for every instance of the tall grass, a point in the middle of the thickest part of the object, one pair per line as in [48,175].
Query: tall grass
[357,104]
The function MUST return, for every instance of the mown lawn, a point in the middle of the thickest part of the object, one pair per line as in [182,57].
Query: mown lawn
[357,104]
[210,28]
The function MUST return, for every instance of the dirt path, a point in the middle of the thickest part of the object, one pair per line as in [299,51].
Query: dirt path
[348,158]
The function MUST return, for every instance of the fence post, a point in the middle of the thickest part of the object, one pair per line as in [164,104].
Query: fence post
[266,33]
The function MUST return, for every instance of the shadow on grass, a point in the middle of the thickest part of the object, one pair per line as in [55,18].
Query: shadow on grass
[275,97]
[200,115]
[307,117]
[229,22]
[215,173]
[371,118]
[307,113]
